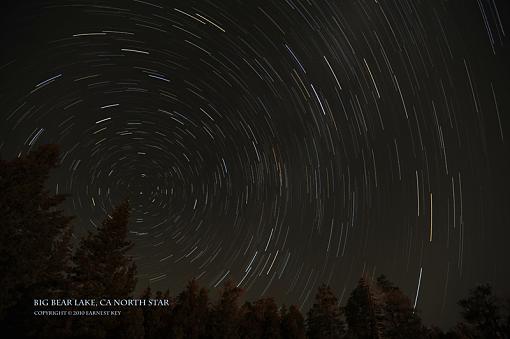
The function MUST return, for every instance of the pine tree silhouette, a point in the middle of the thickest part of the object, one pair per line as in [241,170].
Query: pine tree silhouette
[364,312]
[102,266]
[260,320]
[399,319]
[103,269]
[225,313]
[292,323]
[34,237]
[482,312]
[190,314]
[325,319]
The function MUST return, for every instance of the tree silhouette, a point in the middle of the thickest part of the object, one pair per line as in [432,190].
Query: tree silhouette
[156,320]
[190,314]
[325,318]
[224,316]
[103,269]
[292,323]
[34,234]
[482,312]
[102,266]
[399,319]
[363,312]
[260,320]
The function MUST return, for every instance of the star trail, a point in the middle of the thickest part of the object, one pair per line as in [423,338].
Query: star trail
[277,144]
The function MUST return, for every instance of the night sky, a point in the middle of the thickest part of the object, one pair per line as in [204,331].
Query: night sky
[278,144]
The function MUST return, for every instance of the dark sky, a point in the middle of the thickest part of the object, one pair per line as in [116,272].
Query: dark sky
[278,144]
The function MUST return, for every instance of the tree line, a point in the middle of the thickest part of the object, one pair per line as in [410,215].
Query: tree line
[40,260]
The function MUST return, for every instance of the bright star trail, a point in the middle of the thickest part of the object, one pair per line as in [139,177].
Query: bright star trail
[277,144]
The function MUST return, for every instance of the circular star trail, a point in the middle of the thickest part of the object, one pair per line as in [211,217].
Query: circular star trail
[277,144]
